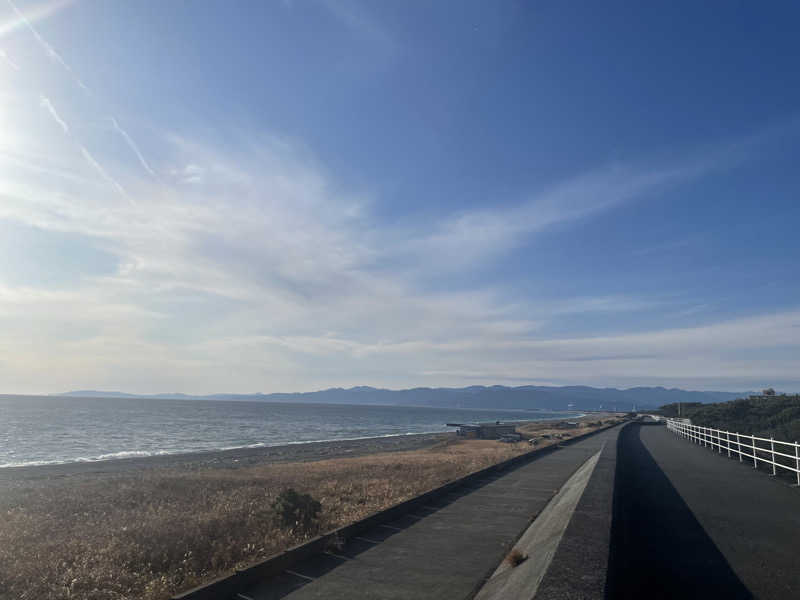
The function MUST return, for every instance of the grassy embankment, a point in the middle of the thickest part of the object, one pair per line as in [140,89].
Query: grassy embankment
[762,416]
[765,416]
[152,533]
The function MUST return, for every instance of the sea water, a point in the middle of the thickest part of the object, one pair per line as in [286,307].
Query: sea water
[38,430]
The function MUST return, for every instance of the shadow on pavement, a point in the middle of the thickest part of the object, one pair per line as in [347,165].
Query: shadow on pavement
[658,548]
[306,571]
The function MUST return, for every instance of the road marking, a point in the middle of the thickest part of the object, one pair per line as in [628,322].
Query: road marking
[300,575]
[392,527]
[337,555]
[243,597]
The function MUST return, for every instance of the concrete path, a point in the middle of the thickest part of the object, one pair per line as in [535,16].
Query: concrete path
[689,523]
[540,541]
[446,550]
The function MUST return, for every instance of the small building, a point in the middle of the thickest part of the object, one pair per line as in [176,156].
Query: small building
[486,431]
[567,425]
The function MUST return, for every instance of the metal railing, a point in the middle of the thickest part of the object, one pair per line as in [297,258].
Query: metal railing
[743,446]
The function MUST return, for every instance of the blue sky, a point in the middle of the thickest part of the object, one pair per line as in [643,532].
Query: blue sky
[279,196]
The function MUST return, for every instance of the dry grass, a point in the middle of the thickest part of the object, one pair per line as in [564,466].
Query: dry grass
[516,557]
[538,428]
[150,534]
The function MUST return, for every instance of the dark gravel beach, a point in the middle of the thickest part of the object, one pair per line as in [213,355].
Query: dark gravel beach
[226,459]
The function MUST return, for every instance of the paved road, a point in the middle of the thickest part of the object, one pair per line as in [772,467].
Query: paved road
[689,523]
[444,551]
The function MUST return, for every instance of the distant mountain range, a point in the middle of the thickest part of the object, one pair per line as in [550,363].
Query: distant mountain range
[477,396]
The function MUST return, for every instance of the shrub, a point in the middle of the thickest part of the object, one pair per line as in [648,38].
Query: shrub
[296,511]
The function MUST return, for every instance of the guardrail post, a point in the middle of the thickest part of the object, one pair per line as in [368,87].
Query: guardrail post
[755,454]
[728,442]
[739,446]
[719,441]
[797,463]
[772,453]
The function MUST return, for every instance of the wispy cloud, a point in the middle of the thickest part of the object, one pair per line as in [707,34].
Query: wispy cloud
[96,166]
[470,238]
[37,13]
[132,145]
[4,56]
[260,272]
[355,16]
[49,50]
[45,103]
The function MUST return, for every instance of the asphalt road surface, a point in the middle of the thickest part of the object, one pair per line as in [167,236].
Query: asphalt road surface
[689,523]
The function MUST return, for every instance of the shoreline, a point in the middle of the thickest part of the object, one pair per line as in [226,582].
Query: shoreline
[246,456]
[213,457]
[231,458]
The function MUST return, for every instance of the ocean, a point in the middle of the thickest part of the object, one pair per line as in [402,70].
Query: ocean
[38,430]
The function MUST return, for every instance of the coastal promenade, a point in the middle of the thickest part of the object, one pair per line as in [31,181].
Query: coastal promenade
[631,512]
[450,548]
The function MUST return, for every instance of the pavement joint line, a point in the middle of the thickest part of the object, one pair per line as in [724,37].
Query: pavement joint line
[392,527]
[300,575]
[363,539]
[337,556]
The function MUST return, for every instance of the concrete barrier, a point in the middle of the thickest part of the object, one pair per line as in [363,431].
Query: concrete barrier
[228,586]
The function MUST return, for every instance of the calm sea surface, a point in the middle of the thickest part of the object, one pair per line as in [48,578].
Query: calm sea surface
[49,430]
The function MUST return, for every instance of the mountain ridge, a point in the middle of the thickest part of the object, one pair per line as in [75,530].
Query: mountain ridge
[497,396]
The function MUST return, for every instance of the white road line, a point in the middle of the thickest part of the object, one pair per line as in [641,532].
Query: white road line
[337,556]
[243,597]
[300,575]
[392,527]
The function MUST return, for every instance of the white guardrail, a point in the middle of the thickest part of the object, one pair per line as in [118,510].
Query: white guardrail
[757,449]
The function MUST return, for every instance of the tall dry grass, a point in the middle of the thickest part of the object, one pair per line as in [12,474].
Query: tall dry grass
[150,534]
